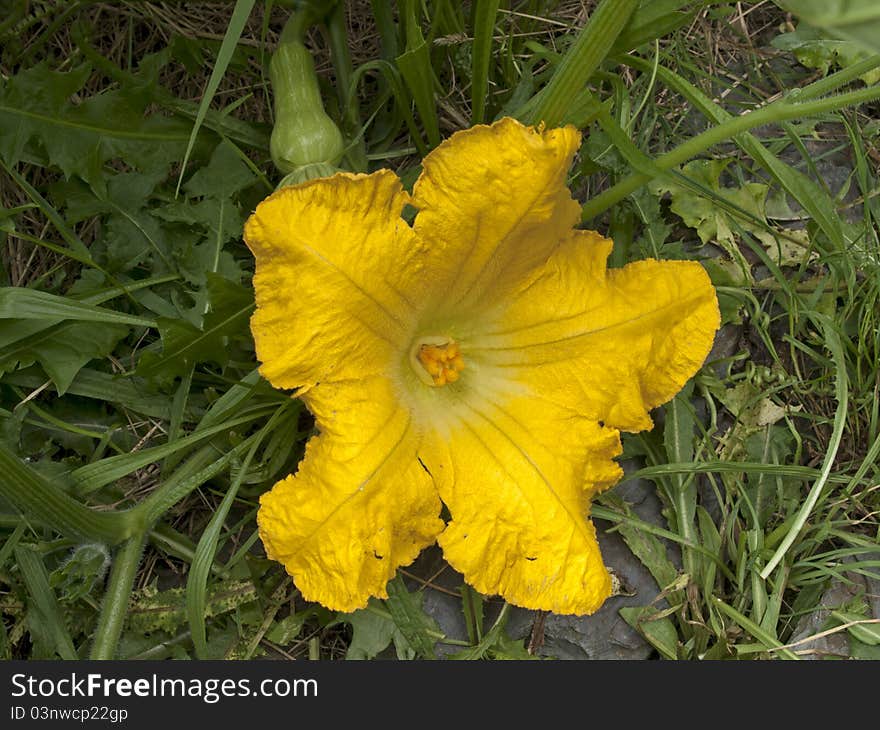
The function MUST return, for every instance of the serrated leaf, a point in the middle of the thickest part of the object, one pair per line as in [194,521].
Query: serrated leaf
[76,577]
[415,625]
[63,350]
[813,48]
[36,113]
[184,345]
[720,224]
[154,610]
[225,174]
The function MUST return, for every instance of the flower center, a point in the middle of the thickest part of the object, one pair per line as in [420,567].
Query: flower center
[437,360]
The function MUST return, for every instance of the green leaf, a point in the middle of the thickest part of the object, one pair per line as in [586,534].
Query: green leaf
[415,625]
[184,345]
[79,138]
[77,576]
[240,13]
[203,560]
[130,393]
[863,629]
[814,48]
[283,632]
[91,477]
[853,20]
[655,19]
[650,551]
[225,174]
[659,631]
[36,579]
[63,350]
[154,610]
[720,214]
[20,303]
[372,632]
[590,48]
[678,440]
[805,191]
[416,69]
[496,644]
[33,494]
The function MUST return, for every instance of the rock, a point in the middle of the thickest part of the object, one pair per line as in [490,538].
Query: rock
[604,635]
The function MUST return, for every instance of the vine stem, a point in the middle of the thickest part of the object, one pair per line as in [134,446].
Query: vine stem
[34,495]
[778,111]
[115,606]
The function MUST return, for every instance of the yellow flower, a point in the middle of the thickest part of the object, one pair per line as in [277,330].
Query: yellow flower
[484,359]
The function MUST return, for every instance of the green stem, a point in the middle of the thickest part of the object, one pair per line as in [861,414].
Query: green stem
[201,467]
[837,79]
[116,598]
[778,111]
[589,50]
[297,24]
[722,467]
[33,495]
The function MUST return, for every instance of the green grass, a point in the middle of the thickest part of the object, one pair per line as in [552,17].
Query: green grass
[136,435]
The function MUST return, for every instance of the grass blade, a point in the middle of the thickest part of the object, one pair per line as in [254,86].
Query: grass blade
[841,388]
[577,66]
[203,561]
[20,303]
[415,67]
[36,578]
[753,628]
[678,439]
[484,28]
[240,14]
[92,477]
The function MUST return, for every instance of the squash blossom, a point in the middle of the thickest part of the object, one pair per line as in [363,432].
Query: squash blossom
[484,358]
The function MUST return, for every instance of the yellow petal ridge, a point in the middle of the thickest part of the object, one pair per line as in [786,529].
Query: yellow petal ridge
[608,343]
[493,199]
[359,506]
[337,272]
[518,479]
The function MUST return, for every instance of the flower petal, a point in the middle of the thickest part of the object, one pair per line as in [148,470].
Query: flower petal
[518,478]
[360,504]
[610,344]
[494,200]
[336,268]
